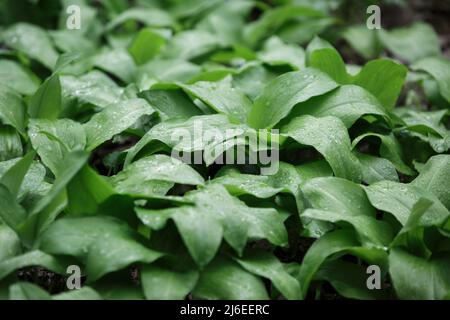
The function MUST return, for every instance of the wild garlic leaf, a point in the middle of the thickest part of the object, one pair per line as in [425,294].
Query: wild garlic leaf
[282,94]
[113,120]
[329,136]
[32,41]
[102,244]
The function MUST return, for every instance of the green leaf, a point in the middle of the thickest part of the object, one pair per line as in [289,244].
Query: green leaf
[93,87]
[336,199]
[32,258]
[55,139]
[384,79]
[13,178]
[12,213]
[190,44]
[376,169]
[146,45]
[146,175]
[274,19]
[222,98]
[46,102]
[27,291]
[328,60]
[329,136]
[161,283]
[362,40]
[12,108]
[438,68]
[11,246]
[84,293]
[418,279]
[390,149]
[275,52]
[116,61]
[151,17]
[171,103]
[10,143]
[336,242]
[32,41]
[113,120]
[348,103]
[103,244]
[266,265]
[217,213]
[87,191]
[434,177]
[281,95]
[224,279]
[411,43]
[399,199]
[18,77]
[349,280]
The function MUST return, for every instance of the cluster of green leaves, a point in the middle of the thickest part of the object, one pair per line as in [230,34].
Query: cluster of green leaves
[364,170]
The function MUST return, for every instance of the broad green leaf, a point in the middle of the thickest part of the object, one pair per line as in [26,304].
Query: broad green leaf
[216,213]
[329,61]
[113,120]
[146,45]
[18,77]
[32,258]
[399,199]
[363,40]
[329,136]
[274,19]
[11,246]
[376,169]
[13,178]
[336,200]
[150,17]
[222,98]
[190,44]
[418,279]
[12,213]
[44,211]
[54,139]
[435,177]
[287,179]
[46,102]
[224,279]
[87,191]
[27,291]
[94,87]
[336,242]
[10,143]
[282,94]
[275,53]
[84,293]
[348,103]
[191,135]
[102,244]
[161,283]
[171,103]
[266,265]
[117,62]
[148,174]
[32,41]
[384,79]
[411,43]
[438,68]
[390,149]
[12,108]
[349,280]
